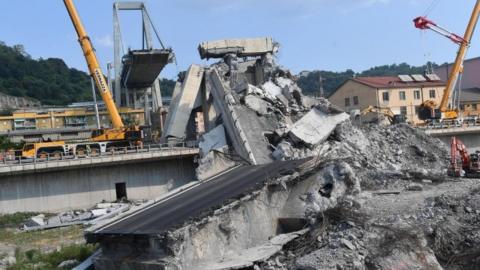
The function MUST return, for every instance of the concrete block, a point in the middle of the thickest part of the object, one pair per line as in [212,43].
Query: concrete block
[235,132]
[239,47]
[315,127]
[272,89]
[185,99]
[257,104]
[213,140]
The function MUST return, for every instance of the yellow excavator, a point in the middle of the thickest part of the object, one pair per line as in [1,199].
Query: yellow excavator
[429,110]
[102,140]
[387,112]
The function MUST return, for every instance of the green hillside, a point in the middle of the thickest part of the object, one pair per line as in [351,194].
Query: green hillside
[50,80]
[47,80]
[310,81]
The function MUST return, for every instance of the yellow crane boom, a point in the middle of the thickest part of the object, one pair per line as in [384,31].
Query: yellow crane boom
[458,65]
[93,65]
[464,43]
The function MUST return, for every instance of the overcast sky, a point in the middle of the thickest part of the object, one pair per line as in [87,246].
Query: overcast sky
[314,34]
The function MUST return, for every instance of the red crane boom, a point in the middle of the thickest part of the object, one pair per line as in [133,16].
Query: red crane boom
[423,23]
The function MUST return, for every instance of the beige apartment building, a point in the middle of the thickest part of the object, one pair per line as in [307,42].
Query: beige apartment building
[62,118]
[403,94]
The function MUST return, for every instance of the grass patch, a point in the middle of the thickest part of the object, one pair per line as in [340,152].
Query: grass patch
[35,259]
[45,239]
[15,220]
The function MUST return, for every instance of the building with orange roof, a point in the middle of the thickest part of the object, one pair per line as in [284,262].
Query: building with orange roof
[402,94]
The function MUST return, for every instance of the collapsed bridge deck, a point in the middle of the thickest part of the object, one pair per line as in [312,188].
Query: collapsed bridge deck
[161,216]
[142,67]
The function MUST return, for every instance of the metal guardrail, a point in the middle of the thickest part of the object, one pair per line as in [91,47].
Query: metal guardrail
[9,160]
[458,123]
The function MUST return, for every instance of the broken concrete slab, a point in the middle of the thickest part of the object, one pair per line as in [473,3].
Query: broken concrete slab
[271,88]
[247,257]
[315,127]
[213,163]
[239,47]
[215,139]
[185,98]
[309,102]
[283,151]
[253,90]
[38,220]
[257,104]
[224,106]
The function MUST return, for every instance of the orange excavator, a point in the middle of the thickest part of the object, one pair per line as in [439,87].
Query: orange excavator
[462,163]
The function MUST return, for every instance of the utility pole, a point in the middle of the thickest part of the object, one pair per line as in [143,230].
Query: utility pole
[320,83]
[95,104]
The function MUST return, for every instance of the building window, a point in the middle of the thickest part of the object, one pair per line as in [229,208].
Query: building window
[402,95]
[385,96]
[347,102]
[474,107]
[403,110]
[355,100]
[416,94]
[417,110]
[432,93]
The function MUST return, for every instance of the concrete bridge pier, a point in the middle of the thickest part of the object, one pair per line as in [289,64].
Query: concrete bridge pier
[81,183]
[470,136]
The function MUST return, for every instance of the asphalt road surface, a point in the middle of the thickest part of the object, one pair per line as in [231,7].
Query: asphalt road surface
[178,209]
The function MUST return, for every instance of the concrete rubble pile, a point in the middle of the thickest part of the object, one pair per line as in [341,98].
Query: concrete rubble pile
[357,204]
[338,197]
[101,212]
[254,102]
[369,197]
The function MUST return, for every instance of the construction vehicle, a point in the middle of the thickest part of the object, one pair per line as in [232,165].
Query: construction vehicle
[104,139]
[387,112]
[462,163]
[429,110]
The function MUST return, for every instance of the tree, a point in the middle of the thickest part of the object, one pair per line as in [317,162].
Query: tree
[310,83]
[48,80]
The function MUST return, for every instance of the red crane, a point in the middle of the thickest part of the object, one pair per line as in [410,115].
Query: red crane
[423,23]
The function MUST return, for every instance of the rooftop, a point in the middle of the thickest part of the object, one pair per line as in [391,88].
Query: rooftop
[394,82]
[470,94]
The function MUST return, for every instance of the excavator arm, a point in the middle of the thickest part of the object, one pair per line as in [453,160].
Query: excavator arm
[94,66]
[459,158]
[394,119]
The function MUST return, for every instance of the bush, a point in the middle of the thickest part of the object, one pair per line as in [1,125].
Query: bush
[34,259]
[15,220]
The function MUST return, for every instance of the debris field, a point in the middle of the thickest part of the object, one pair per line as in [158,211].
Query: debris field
[369,196]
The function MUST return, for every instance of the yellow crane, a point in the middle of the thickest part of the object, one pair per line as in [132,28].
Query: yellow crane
[103,139]
[93,65]
[444,111]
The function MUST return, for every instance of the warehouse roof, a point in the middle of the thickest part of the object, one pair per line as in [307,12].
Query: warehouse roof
[470,94]
[394,82]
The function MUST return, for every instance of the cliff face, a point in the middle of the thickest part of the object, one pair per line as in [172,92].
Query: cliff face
[11,102]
